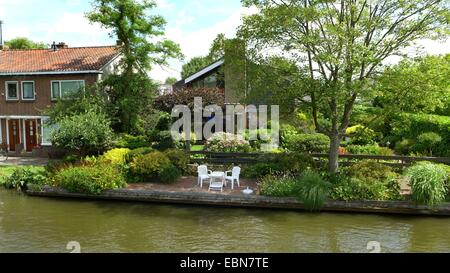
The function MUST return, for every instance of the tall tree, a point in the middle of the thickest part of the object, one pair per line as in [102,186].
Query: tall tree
[343,45]
[141,47]
[24,43]
[418,85]
[194,65]
[171,80]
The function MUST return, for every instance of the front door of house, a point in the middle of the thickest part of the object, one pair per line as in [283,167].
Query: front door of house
[14,133]
[30,134]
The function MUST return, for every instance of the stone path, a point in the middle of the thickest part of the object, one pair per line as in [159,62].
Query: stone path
[23,161]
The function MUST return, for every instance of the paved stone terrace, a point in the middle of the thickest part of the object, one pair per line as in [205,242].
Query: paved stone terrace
[23,161]
[189,184]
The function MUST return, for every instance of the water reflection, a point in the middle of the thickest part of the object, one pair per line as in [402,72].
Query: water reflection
[47,225]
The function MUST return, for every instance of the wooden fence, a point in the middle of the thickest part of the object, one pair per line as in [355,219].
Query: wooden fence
[252,158]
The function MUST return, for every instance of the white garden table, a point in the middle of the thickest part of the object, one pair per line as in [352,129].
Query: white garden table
[217,176]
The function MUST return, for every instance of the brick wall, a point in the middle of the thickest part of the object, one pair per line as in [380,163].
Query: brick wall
[42,90]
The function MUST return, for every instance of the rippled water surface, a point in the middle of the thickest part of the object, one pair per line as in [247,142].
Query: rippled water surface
[30,224]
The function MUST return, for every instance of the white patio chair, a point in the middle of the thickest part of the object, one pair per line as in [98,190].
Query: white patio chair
[203,174]
[235,173]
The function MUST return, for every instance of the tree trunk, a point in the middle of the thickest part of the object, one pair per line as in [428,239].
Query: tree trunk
[333,159]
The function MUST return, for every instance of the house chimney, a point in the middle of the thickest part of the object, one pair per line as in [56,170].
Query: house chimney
[62,45]
[1,35]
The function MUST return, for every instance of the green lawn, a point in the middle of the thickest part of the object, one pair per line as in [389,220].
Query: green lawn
[197,148]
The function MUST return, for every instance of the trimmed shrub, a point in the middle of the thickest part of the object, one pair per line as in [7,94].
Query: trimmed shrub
[428,183]
[150,165]
[86,133]
[169,174]
[428,142]
[225,142]
[179,159]
[116,156]
[164,141]
[308,143]
[90,179]
[132,142]
[404,147]
[137,152]
[369,150]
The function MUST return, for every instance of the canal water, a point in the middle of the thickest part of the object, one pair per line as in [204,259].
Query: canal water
[31,224]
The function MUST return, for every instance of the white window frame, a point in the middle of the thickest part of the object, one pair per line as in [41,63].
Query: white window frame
[7,91]
[34,90]
[43,121]
[59,82]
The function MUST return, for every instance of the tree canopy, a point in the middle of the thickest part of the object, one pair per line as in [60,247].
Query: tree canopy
[24,43]
[417,85]
[342,45]
[142,45]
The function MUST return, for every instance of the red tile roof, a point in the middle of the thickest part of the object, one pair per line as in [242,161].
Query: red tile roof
[63,60]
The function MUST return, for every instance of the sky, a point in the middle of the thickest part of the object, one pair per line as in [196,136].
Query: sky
[193,24]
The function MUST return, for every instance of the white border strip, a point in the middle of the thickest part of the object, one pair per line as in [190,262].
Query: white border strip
[204,71]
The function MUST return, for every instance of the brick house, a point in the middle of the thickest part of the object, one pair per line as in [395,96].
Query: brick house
[33,80]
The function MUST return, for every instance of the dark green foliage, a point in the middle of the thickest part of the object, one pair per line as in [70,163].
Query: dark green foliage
[259,170]
[132,142]
[404,147]
[164,141]
[411,126]
[428,142]
[369,150]
[90,179]
[366,181]
[86,133]
[307,143]
[169,174]
[283,163]
[139,32]
[137,152]
[179,158]
[76,103]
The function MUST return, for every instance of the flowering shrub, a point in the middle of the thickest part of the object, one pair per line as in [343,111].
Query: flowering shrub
[225,142]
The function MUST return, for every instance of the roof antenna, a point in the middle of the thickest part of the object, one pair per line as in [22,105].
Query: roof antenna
[54,47]
[1,34]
